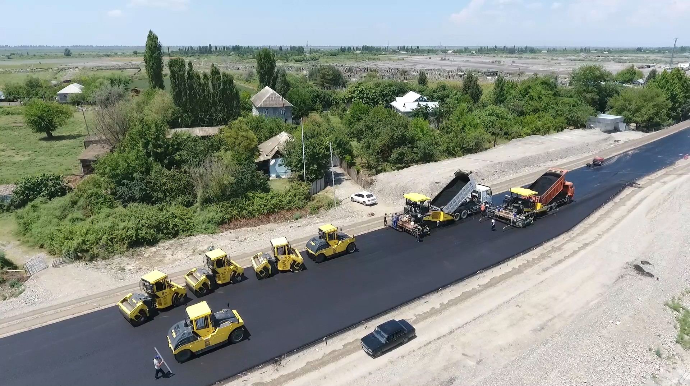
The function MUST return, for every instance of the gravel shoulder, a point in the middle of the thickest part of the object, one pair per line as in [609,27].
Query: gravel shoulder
[519,157]
[572,312]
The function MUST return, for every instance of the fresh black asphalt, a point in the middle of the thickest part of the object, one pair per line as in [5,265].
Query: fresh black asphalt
[290,310]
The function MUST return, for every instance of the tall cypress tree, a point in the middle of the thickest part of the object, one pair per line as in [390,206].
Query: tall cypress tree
[153,59]
[266,68]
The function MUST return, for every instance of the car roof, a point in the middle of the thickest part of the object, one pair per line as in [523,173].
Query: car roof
[216,253]
[364,192]
[279,241]
[416,197]
[154,276]
[198,310]
[327,228]
[390,327]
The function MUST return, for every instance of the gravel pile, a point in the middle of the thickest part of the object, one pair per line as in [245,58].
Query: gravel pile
[503,162]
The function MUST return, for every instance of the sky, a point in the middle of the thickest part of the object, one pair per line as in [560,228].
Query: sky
[597,23]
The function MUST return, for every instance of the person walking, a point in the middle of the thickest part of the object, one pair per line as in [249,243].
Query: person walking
[493,224]
[157,364]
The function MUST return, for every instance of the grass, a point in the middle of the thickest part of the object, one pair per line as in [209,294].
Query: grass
[683,319]
[279,184]
[24,153]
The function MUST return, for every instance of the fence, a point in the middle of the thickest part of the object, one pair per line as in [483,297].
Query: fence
[318,186]
[359,177]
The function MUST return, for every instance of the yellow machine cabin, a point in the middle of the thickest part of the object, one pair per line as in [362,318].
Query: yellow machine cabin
[203,330]
[330,243]
[285,258]
[219,270]
[158,293]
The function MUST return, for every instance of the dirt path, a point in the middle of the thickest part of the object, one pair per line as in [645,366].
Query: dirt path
[572,312]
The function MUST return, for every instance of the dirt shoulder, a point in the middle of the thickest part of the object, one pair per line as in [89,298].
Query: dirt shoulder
[574,311]
[57,293]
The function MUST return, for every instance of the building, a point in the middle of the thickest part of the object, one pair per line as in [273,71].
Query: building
[272,105]
[2,97]
[607,123]
[270,159]
[684,66]
[6,193]
[90,155]
[408,103]
[202,132]
[64,94]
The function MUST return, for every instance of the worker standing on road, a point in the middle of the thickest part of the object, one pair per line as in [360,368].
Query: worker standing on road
[493,224]
[483,209]
[157,363]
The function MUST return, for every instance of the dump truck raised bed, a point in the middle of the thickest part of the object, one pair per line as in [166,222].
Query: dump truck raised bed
[285,258]
[219,270]
[159,293]
[462,197]
[329,243]
[523,205]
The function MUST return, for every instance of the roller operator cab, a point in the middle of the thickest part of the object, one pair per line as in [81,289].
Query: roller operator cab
[330,242]
[158,293]
[285,258]
[203,330]
[219,270]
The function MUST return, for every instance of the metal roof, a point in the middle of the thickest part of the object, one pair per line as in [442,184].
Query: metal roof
[271,146]
[216,253]
[416,197]
[154,276]
[198,310]
[93,152]
[523,192]
[267,97]
[279,241]
[74,88]
[327,228]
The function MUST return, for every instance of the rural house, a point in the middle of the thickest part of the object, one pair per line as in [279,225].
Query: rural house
[408,103]
[272,105]
[270,159]
[607,123]
[63,95]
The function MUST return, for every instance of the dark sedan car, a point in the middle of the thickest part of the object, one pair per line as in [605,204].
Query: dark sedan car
[387,336]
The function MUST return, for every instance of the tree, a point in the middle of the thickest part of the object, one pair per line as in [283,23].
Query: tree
[471,88]
[594,85]
[629,75]
[376,93]
[676,85]
[500,93]
[46,117]
[153,60]
[316,150]
[646,107]
[266,68]
[422,79]
[241,141]
[327,77]
[67,52]
[282,83]
[496,120]
[111,114]
[651,76]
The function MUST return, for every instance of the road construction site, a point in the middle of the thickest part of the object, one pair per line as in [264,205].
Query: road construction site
[287,311]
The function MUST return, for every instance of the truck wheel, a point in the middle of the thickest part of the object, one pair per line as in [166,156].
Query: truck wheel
[320,258]
[177,300]
[237,335]
[351,248]
[183,356]
[464,213]
[296,267]
[236,278]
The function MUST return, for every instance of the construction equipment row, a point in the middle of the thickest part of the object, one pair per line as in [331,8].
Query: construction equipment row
[161,293]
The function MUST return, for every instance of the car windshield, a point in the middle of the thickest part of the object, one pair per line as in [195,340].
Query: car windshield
[370,195]
[380,335]
[146,286]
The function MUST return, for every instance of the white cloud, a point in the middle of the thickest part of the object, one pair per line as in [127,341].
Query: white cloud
[115,13]
[466,13]
[175,5]
[556,5]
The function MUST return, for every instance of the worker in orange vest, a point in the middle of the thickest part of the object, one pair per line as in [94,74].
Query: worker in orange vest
[483,209]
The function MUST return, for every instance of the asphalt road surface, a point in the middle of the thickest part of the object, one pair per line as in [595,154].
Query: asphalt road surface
[290,310]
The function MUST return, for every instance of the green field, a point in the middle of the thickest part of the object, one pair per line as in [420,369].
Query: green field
[25,153]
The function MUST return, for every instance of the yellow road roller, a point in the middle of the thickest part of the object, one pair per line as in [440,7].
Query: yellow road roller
[158,293]
[219,270]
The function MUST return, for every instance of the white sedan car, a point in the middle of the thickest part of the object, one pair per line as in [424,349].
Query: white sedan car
[364,198]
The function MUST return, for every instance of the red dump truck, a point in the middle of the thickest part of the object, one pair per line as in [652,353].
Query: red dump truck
[523,205]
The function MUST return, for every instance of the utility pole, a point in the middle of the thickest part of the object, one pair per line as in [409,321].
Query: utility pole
[304,160]
[674,51]
[335,200]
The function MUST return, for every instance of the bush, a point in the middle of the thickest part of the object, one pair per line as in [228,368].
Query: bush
[6,263]
[31,188]
[46,117]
